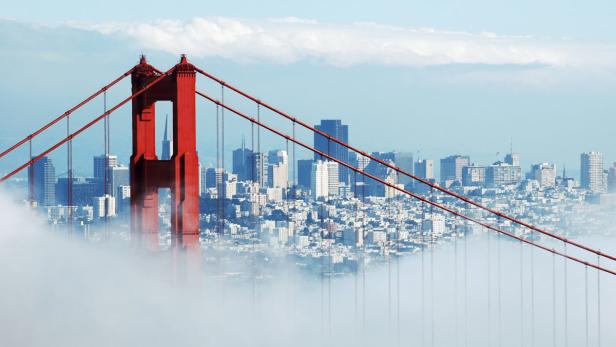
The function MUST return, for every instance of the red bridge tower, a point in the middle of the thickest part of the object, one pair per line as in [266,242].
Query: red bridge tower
[181,172]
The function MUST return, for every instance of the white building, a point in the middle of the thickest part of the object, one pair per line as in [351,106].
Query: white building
[278,169]
[319,184]
[99,204]
[332,178]
[591,172]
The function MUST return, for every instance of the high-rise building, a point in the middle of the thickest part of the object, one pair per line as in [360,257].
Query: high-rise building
[44,175]
[278,169]
[102,167]
[611,179]
[404,160]
[451,168]
[591,171]
[84,190]
[167,149]
[424,168]
[501,174]
[320,180]
[242,163]
[473,175]
[213,177]
[119,177]
[304,170]
[104,206]
[259,168]
[202,176]
[122,196]
[544,173]
[335,129]
[332,181]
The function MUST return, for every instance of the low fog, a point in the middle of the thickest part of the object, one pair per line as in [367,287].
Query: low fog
[60,291]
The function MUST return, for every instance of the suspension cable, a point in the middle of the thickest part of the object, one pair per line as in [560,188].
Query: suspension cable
[66,114]
[403,190]
[88,125]
[422,180]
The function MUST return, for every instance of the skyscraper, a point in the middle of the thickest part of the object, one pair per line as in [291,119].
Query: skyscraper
[424,168]
[242,163]
[304,170]
[591,171]
[404,160]
[102,168]
[278,169]
[167,144]
[334,128]
[259,168]
[320,180]
[451,168]
[512,159]
[44,175]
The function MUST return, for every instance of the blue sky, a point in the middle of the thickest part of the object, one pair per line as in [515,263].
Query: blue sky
[436,78]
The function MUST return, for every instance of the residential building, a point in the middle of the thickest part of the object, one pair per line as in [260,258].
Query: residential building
[591,172]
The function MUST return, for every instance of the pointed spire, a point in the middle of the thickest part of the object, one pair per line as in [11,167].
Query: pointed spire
[165,138]
[142,59]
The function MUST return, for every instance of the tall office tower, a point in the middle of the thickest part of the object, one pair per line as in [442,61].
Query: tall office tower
[202,176]
[84,190]
[44,176]
[213,177]
[167,144]
[404,160]
[473,176]
[374,168]
[304,170]
[334,128]
[512,159]
[277,169]
[424,168]
[333,171]
[319,186]
[611,179]
[259,168]
[501,174]
[451,168]
[119,177]
[102,204]
[102,165]
[242,163]
[122,196]
[544,173]
[591,171]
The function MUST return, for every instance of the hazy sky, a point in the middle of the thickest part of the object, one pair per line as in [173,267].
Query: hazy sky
[439,78]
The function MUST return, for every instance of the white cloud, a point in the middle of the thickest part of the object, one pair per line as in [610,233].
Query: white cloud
[288,40]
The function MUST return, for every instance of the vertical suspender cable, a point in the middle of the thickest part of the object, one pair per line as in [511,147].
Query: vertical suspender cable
[489,332]
[106,168]
[423,273]
[222,154]
[532,291]
[217,169]
[598,301]
[432,269]
[498,288]
[586,301]
[69,183]
[363,268]
[566,308]
[455,278]
[30,175]
[554,299]
[466,286]
[521,293]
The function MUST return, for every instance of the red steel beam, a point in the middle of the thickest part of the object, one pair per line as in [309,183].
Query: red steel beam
[96,120]
[397,169]
[404,191]
[66,114]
